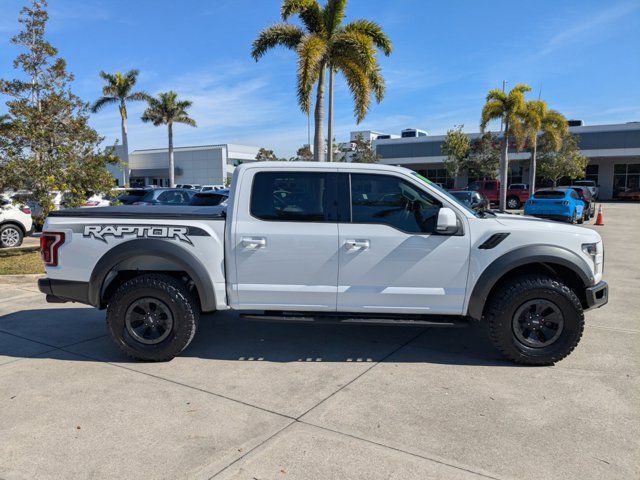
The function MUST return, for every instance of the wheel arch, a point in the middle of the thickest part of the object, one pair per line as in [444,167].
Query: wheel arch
[545,259]
[15,223]
[134,257]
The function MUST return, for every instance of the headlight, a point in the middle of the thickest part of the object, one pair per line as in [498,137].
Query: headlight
[595,251]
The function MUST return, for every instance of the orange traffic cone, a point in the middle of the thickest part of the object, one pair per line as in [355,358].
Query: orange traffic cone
[600,217]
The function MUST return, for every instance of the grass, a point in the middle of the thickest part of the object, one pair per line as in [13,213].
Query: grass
[20,263]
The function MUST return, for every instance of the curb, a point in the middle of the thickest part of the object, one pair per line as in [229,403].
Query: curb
[25,278]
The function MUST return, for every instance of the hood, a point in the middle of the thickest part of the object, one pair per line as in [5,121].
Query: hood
[524,223]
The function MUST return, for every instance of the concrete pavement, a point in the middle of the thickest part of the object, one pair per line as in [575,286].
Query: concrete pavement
[273,401]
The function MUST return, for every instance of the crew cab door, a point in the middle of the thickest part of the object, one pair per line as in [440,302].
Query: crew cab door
[285,243]
[391,259]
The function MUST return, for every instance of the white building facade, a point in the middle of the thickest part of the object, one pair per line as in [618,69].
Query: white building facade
[203,165]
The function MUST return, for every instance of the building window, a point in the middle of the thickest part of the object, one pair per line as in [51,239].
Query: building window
[626,177]
[592,173]
[439,176]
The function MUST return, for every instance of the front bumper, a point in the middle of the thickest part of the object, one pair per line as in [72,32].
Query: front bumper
[61,291]
[598,295]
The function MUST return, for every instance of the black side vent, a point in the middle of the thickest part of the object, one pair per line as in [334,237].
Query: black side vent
[493,241]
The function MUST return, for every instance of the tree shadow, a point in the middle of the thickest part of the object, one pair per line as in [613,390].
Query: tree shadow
[225,336]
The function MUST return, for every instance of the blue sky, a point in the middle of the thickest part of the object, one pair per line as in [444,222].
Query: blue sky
[448,54]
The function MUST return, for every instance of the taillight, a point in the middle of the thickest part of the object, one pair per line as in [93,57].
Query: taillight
[26,210]
[50,242]
[91,203]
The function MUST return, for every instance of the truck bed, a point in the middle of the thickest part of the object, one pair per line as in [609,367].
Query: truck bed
[177,212]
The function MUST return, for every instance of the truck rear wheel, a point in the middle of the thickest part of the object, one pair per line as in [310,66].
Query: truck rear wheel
[152,317]
[513,203]
[535,320]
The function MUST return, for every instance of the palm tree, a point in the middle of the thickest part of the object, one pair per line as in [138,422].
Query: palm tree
[119,90]
[325,43]
[167,110]
[508,107]
[536,118]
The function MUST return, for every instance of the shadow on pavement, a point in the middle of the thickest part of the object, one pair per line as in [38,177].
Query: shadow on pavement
[224,336]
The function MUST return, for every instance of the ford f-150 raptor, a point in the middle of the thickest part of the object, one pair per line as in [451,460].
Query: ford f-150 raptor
[350,243]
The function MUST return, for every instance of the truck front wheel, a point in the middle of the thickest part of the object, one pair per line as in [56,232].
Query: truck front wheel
[535,320]
[152,317]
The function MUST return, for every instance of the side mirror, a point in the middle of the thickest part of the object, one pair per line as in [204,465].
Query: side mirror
[447,222]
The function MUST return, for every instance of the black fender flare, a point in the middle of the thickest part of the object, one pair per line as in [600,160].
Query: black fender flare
[160,248]
[531,254]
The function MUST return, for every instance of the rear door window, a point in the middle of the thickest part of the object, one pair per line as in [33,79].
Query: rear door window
[294,196]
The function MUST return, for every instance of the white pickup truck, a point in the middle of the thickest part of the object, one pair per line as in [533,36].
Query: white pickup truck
[348,243]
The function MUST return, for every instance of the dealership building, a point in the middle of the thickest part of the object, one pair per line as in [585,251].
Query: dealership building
[202,165]
[613,152]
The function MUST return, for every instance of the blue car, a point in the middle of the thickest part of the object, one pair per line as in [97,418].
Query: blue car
[556,204]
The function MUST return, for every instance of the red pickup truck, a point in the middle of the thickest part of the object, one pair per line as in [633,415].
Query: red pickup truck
[517,194]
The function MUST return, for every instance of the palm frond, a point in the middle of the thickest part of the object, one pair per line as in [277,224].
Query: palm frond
[356,46]
[334,12]
[311,60]
[138,97]
[493,109]
[166,109]
[309,12]
[185,120]
[373,31]
[282,34]
[377,82]
[359,84]
[103,102]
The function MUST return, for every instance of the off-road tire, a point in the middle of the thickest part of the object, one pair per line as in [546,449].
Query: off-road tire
[175,295]
[16,235]
[504,303]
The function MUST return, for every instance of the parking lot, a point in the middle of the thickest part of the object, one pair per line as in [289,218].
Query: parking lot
[273,401]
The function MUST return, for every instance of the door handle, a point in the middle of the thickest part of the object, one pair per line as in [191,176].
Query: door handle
[254,242]
[357,244]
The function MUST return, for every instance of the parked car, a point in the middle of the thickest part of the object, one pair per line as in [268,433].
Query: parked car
[24,197]
[15,223]
[210,198]
[591,184]
[629,194]
[491,190]
[129,196]
[339,242]
[189,186]
[589,202]
[474,199]
[166,196]
[556,204]
[207,188]
[98,200]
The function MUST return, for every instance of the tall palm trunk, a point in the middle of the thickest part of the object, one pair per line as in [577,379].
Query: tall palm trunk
[125,144]
[504,168]
[172,180]
[318,117]
[532,169]
[330,123]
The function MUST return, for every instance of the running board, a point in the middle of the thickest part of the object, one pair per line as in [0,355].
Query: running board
[399,320]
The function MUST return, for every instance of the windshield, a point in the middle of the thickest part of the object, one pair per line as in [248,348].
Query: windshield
[586,183]
[447,194]
[549,194]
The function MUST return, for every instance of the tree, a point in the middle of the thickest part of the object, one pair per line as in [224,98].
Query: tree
[485,157]
[304,153]
[565,162]
[325,43]
[166,109]
[265,155]
[457,148]
[49,144]
[118,90]
[537,117]
[508,107]
[363,151]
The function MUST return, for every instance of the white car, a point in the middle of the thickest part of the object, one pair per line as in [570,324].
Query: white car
[97,200]
[327,242]
[209,188]
[15,223]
